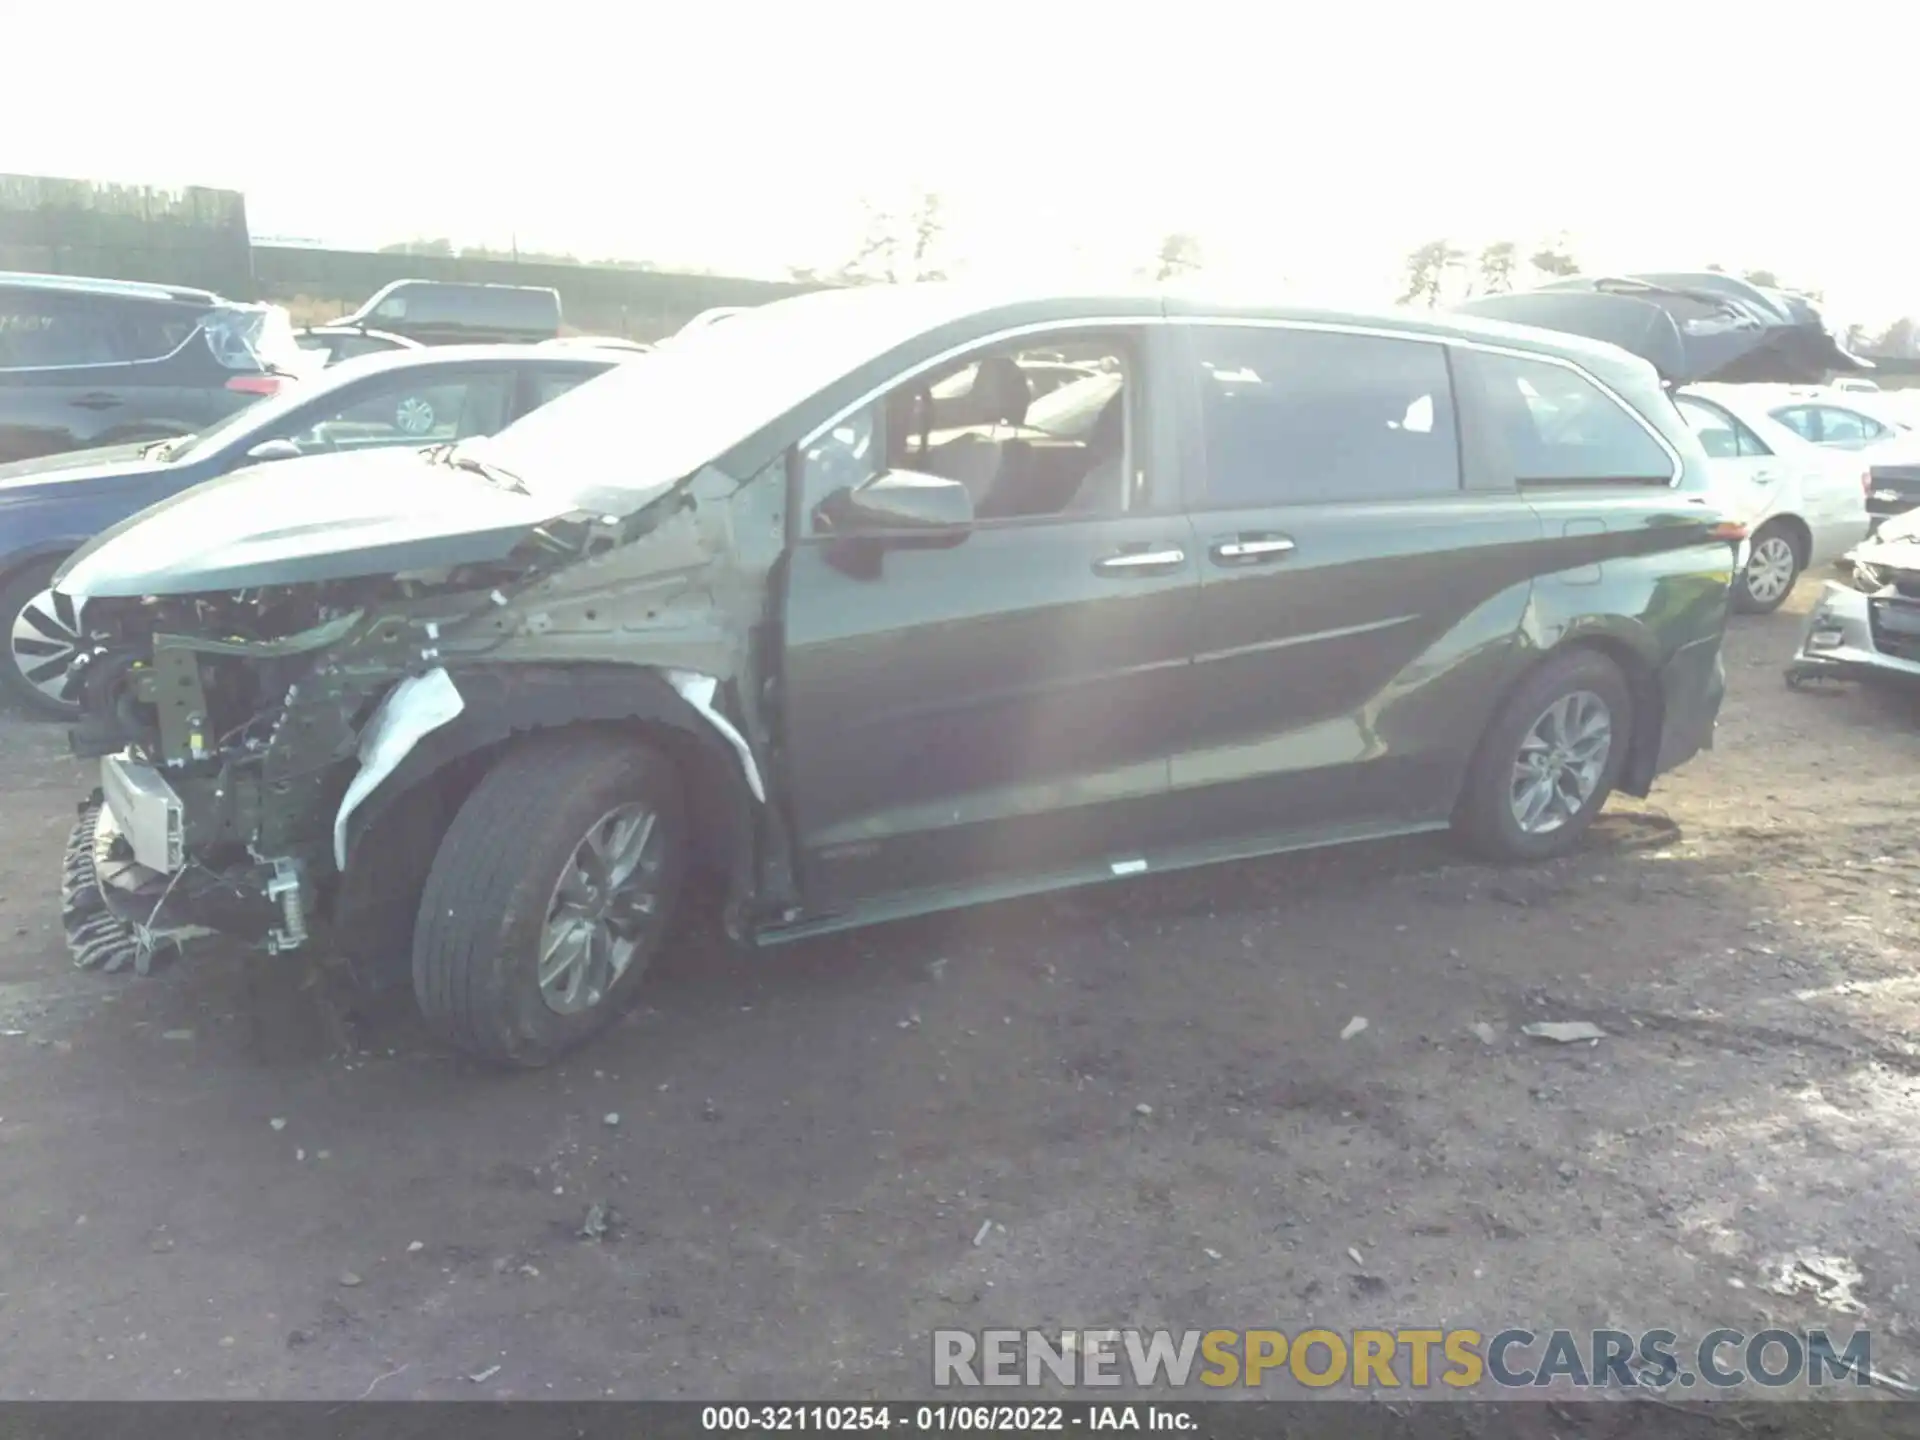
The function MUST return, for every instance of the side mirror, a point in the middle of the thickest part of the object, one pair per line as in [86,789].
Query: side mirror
[901,500]
[274,450]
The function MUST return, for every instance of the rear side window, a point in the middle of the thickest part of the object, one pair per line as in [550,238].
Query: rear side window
[1799,419]
[1720,435]
[1559,428]
[48,329]
[1847,427]
[1293,417]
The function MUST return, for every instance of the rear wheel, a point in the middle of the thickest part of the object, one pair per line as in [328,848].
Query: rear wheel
[549,897]
[1549,760]
[1773,565]
[43,640]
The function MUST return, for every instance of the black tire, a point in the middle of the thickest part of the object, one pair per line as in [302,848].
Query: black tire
[1484,816]
[477,935]
[20,588]
[1744,599]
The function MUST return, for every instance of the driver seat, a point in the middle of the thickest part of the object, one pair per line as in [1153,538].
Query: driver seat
[1000,396]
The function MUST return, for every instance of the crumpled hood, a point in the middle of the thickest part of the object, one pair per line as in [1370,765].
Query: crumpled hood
[292,522]
[1901,529]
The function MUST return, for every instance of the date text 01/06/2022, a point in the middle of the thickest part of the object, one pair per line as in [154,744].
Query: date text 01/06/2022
[945,1418]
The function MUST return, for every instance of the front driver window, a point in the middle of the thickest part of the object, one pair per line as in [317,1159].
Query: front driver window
[409,408]
[1032,430]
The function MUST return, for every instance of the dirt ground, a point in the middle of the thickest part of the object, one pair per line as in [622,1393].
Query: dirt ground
[1142,1087]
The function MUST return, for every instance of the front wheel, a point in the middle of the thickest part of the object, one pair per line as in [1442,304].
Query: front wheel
[549,897]
[44,637]
[1773,565]
[1549,760]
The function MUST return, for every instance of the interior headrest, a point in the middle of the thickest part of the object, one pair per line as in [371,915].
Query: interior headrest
[1001,390]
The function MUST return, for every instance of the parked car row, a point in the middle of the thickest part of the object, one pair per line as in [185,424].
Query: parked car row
[106,362]
[398,398]
[881,601]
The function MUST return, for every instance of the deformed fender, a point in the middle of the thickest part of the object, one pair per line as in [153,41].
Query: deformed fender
[501,701]
[413,709]
[698,691]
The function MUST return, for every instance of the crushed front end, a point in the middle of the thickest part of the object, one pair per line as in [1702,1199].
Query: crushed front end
[1874,636]
[227,731]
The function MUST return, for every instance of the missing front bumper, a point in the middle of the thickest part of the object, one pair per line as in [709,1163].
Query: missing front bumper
[119,913]
[1840,640]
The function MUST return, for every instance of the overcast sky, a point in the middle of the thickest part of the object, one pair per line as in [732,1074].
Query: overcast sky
[1065,138]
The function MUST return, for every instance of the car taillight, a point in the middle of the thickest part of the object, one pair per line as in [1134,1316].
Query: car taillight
[255,384]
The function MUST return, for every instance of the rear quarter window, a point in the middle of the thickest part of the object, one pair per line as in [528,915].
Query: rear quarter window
[1555,426]
[41,329]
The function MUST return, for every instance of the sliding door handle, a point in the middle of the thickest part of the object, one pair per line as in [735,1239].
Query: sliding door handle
[1155,561]
[1249,549]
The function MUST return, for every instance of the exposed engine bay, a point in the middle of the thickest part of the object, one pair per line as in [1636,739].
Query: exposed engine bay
[229,722]
[237,729]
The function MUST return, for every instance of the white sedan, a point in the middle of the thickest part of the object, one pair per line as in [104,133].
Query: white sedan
[1803,504]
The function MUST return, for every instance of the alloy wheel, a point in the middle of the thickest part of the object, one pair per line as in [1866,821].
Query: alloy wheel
[414,415]
[46,640]
[601,909]
[1560,762]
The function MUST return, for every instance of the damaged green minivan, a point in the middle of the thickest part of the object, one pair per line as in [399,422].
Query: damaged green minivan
[875,602]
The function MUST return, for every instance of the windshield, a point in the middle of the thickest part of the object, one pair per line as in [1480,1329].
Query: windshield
[661,416]
[241,423]
[262,419]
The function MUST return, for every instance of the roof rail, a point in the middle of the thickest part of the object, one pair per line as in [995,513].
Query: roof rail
[95,285]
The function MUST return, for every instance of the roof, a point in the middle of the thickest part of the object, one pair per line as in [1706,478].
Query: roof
[872,319]
[90,285]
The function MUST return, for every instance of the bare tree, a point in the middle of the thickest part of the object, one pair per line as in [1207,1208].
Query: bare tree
[899,245]
[1765,278]
[1555,257]
[1179,254]
[1497,263]
[1428,269]
[1897,339]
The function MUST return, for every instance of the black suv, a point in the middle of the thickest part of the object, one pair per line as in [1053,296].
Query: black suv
[88,362]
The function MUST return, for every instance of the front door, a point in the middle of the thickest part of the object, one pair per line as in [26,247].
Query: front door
[1360,599]
[996,708]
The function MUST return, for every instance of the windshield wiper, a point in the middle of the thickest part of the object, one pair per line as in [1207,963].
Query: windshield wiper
[448,454]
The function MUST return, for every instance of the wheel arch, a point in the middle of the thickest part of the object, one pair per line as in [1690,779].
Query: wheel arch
[1635,660]
[394,832]
[1797,530]
[36,553]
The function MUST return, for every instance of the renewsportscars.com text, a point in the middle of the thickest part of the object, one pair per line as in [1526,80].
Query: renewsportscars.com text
[1413,1358]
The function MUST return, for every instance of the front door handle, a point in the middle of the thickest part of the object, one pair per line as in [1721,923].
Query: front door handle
[1153,560]
[97,400]
[1764,477]
[1251,549]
